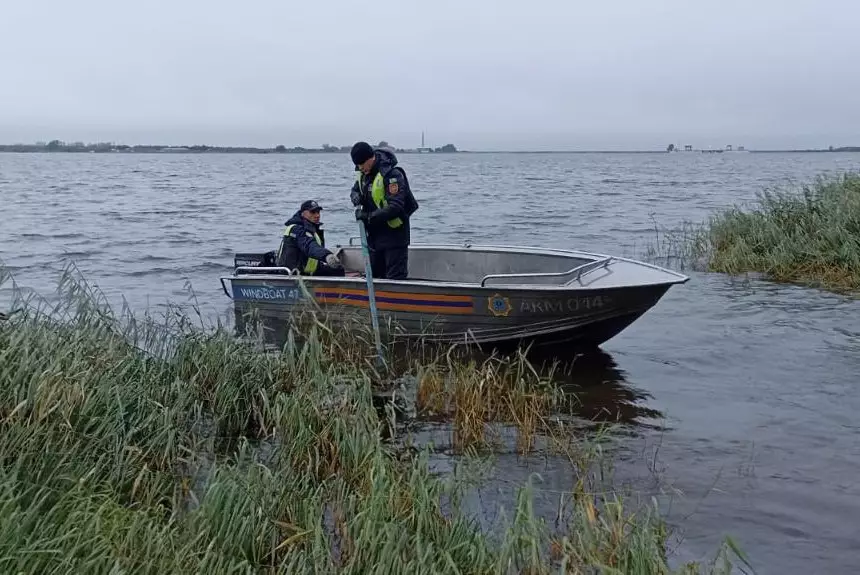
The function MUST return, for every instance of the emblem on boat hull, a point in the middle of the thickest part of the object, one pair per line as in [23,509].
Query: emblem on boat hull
[499,306]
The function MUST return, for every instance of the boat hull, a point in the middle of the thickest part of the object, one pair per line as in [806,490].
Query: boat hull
[456,314]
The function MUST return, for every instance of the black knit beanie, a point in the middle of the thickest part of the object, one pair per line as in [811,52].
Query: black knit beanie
[361,152]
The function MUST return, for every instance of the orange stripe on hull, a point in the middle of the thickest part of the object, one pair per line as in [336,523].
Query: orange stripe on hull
[395,294]
[383,305]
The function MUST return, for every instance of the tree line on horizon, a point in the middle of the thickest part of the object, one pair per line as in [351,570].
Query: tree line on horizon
[105,147]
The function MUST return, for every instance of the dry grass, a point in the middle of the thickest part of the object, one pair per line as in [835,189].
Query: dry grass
[473,395]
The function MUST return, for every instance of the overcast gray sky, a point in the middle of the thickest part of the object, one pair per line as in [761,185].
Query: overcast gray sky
[483,74]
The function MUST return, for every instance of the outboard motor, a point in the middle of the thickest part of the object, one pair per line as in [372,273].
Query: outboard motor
[254,260]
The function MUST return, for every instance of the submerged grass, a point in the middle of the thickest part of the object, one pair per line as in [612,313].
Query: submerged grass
[136,445]
[809,235]
[474,396]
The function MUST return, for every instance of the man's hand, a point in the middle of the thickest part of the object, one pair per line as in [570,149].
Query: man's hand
[355,197]
[332,261]
[360,214]
[376,215]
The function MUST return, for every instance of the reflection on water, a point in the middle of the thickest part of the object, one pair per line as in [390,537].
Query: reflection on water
[603,392]
[596,386]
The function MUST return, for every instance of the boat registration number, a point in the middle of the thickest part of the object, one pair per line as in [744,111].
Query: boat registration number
[572,304]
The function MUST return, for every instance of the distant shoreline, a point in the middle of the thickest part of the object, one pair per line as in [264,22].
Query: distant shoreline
[109,148]
[58,147]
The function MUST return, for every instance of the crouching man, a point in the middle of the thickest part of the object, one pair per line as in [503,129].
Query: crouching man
[303,245]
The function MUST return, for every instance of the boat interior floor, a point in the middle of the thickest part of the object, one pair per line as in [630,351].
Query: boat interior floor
[353,274]
[491,267]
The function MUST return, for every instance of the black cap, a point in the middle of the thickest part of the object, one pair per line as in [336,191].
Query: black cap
[310,205]
[361,152]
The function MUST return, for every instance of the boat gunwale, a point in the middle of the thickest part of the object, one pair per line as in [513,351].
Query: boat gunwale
[292,278]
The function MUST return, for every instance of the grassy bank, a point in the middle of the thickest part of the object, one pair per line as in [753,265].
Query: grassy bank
[809,235]
[130,445]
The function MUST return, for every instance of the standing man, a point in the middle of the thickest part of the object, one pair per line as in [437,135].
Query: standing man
[384,202]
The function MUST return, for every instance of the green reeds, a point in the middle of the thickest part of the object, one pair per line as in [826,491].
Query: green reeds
[154,446]
[809,235]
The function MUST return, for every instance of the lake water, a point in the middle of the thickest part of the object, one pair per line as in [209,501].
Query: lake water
[756,383]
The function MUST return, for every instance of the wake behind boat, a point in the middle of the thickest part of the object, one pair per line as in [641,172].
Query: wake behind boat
[497,295]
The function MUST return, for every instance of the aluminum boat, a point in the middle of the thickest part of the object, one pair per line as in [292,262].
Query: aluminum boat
[469,294]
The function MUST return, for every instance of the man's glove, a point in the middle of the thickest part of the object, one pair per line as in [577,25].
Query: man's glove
[355,197]
[332,261]
[376,215]
[360,214]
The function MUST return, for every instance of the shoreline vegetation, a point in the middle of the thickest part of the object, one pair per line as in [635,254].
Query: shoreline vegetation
[806,234]
[57,146]
[157,445]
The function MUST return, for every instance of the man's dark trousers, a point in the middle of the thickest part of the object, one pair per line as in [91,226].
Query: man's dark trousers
[389,263]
